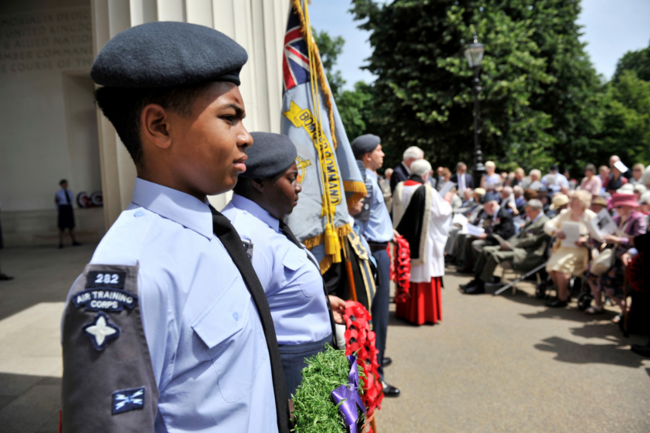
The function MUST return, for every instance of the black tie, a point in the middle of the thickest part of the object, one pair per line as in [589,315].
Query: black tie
[67,195]
[289,234]
[234,245]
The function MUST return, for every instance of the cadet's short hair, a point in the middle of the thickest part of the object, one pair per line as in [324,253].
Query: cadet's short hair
[62,181]
[123,107]
[420,167]
[534,204]
[413,152]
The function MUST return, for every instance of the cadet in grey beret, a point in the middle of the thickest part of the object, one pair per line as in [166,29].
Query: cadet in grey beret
[270,154]
[171,92]
[168,54]
[365,144]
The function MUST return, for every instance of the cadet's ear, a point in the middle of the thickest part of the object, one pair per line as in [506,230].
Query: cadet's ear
[155,125]
[258,184]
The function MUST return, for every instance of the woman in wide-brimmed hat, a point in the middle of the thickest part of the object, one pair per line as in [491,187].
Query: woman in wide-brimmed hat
[632,223]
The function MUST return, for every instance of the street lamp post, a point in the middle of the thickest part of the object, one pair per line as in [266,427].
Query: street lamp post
[474,55]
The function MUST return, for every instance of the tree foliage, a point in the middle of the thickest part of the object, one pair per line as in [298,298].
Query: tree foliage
[541,100]
[538,87]
[626,120]
[637,61]
[353,105]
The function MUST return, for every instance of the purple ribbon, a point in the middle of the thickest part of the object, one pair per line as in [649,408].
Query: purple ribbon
[350,393]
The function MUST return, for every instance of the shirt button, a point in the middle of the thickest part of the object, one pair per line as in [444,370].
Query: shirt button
[138,213]
[235,315]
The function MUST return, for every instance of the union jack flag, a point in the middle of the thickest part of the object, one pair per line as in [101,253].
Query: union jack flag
[295,62]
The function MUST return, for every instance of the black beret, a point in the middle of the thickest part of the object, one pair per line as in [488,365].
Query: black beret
[168,54]
[364,144]
[269,155]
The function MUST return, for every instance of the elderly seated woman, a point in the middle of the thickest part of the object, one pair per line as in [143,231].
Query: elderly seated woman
[567,260]
[632,223]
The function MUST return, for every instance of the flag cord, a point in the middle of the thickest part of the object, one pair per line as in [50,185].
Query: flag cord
[332,242]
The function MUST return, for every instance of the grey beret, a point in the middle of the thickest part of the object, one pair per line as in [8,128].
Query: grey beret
[168,54]
[269,155]
[364,144]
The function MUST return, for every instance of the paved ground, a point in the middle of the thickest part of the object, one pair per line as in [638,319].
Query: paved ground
[495,364]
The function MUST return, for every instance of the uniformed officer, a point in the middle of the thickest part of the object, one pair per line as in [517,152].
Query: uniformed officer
[378,230]
[168,328]
[266,193]
[63,200]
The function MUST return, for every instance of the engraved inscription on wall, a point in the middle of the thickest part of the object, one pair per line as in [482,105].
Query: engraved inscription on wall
[59,39]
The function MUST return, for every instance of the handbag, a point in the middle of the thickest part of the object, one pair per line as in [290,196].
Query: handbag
[604,262]
[607,258]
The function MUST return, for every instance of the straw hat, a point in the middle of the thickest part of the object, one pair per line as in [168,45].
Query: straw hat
[559,200]
[599,201]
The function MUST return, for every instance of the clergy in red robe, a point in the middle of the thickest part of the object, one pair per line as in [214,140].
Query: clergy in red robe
[423,217]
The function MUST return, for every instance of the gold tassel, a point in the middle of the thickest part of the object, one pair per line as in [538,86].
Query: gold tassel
[332,245]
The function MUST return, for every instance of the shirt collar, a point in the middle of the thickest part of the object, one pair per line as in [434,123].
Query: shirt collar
[539,215]
[408,170]
[241,202]
[372,173]
[174,205]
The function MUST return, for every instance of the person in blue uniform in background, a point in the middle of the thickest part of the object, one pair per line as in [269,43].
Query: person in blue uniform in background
[63,200]
[378,231]
[168,328]
[266,193]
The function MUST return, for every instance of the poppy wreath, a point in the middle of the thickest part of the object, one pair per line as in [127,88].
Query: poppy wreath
[400,270]
[360,341]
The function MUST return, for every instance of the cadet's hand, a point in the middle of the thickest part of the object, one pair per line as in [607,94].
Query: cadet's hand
[395,235]
[338,308]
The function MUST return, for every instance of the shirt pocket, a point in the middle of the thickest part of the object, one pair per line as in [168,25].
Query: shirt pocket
[234,340]
[299,271]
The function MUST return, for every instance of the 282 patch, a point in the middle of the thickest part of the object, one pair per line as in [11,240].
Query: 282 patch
[125,400]
[114,280]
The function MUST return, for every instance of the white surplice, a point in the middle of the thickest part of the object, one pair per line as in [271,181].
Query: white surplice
[432,244]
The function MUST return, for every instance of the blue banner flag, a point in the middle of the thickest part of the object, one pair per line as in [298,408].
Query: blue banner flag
[328,173]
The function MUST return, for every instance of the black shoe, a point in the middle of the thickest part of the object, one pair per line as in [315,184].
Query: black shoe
[4,277]
[386,362]
[60,246]
[478,289]
[494,286]
[641,349]
[556,303]
[76,244]
[470,284]
[390,391]
[494,280]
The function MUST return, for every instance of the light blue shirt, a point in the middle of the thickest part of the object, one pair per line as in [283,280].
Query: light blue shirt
[62,198]
[205,337]
[379,227]
[293,284]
